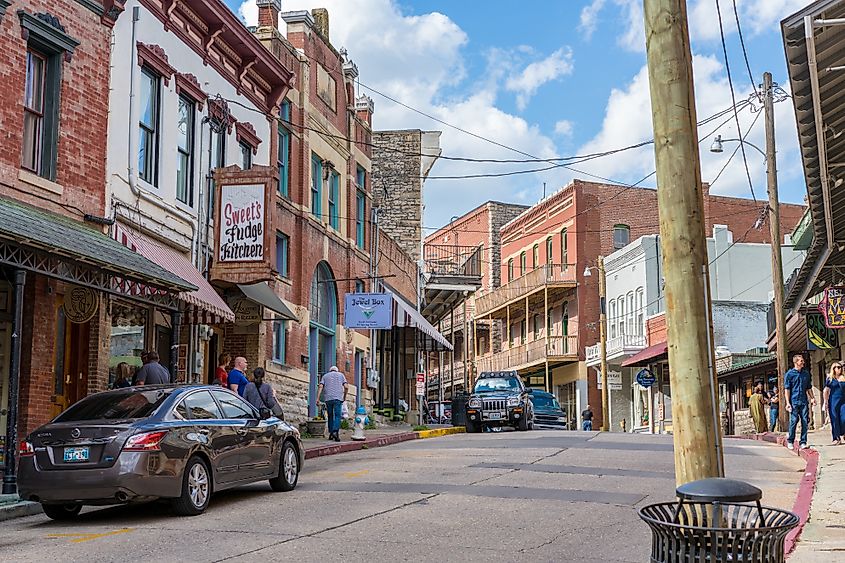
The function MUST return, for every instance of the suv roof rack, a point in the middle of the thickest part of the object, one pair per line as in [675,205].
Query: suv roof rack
[486,374]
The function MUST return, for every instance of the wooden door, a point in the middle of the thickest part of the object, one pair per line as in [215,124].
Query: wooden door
[72,347]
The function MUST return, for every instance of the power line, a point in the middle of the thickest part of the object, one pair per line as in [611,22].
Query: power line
[745,52]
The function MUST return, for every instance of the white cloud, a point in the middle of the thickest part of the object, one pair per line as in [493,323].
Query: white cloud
[589,18]
[526,83]
[564,128]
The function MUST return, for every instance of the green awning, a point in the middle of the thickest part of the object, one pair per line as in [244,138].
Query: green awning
[75,242]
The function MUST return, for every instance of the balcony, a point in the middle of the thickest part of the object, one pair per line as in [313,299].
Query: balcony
[553,348]
[451,274]
[619,347]
[446,372]
[547,275]
[446,260]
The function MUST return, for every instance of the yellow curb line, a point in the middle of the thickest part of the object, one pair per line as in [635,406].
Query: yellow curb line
[437,432]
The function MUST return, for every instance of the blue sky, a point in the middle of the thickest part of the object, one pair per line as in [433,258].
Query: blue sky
[553,78]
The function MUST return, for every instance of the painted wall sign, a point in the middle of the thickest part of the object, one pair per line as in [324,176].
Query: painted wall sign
[368,310]
[241,223]
[247,312]
[819,336]
[614,380]
[80,304]
[832,307]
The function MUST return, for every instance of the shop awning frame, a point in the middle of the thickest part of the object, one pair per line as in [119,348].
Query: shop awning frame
[262,294]
[406,315]
[648,355]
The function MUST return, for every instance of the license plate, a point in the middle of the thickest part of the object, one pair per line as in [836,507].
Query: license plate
[76,454]
[494,416]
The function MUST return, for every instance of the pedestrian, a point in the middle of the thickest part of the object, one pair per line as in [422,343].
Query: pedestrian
[774,401]
[152,372]
[757,406]
[123,376]
[236,379]
[220,374]
[833,400]
[334,387]
[587,419]
[799,398]
[138,369]
[262,395]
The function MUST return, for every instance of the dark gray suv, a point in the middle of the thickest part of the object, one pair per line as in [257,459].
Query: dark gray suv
[158,441]
[499,398]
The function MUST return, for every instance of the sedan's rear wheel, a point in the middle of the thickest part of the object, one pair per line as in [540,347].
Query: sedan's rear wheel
[288,470]
[62,511]
[196,489]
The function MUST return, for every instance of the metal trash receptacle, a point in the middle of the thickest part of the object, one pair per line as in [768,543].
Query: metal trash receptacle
[459,409]
[713,521]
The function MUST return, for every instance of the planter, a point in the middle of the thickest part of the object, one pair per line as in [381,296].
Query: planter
[316,428]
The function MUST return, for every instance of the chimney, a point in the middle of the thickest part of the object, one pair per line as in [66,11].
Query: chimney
[364,108]
[321,22]
[268,13]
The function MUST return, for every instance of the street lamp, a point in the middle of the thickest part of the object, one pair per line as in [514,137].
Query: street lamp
[717,145]
[605,414]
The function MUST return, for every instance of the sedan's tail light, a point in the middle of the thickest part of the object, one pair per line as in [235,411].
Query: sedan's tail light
[26,449]
[146,442]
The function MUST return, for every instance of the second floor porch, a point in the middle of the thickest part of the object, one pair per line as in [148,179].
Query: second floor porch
[548,277]
[619,347]
[531,354]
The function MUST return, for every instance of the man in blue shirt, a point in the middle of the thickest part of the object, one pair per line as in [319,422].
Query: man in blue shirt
[799,397]
[237,381]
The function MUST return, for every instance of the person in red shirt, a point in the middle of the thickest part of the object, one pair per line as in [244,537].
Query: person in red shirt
[221,375]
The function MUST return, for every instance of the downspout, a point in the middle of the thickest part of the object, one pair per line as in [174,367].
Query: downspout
[812,66]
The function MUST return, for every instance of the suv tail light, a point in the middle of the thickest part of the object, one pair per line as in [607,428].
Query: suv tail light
[26,449]
[146,442]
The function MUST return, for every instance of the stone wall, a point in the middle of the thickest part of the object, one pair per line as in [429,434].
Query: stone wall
[397,186]
[743,423]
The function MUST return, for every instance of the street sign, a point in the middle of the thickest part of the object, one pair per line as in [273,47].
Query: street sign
[645,378]
[420,384]
[614,380]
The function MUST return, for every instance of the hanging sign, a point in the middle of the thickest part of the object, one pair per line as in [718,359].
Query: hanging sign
[80,305]
[368,310]
[832,307]
[614,380]
[645,378]
[247,312]
[819,337]
[241,223]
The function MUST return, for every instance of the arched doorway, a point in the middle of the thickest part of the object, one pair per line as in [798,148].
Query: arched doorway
[321,339]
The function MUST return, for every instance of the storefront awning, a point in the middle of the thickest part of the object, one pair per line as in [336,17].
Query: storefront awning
[60,247]
[650,354]
[405,314]
[203,298]
[262,294]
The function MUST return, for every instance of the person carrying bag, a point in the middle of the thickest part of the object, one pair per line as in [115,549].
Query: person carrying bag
[261,395]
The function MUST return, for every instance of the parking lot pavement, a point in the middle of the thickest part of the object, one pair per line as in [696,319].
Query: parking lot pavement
[544,495]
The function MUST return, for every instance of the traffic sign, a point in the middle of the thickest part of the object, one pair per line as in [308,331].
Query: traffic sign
[420,384]
[645,378]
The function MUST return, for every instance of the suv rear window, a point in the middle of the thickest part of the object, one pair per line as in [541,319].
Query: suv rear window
[116,405]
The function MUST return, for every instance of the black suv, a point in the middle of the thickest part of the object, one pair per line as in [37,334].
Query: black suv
[499,398]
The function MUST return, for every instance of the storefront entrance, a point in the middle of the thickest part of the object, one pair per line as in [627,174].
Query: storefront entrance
[71,372]
[321,339]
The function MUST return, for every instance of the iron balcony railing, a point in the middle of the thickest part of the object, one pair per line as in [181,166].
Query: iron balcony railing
[531,353]
[627,343]
[547,274]
[452,260]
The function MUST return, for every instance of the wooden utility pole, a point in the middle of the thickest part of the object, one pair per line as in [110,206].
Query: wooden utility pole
[605,389]
[774,230]
[681,207]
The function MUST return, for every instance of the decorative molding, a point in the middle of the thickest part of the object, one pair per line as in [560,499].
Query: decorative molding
[245,132]
[154,57]
[48,30]
[111,11]
[188,85]
[92,5]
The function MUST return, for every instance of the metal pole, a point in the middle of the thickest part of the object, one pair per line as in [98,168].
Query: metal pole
[10,481]
[452,353]
[546,385]
[605,391]
[175,329]
[466,347]
[680,204]
[774,231]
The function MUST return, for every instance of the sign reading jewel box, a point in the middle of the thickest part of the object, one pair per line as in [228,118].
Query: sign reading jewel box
[241,223]
[368,310]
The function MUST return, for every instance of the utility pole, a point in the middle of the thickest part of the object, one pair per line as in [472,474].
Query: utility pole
[774,230]
[681,207]
[605,390]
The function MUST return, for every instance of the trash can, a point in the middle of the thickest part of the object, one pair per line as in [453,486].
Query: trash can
[459,409]
[717,520]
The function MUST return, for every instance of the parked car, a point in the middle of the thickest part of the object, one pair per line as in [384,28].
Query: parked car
[547,410]
[498,399]
[137,444]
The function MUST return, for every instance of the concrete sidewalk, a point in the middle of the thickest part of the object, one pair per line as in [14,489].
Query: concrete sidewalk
[823,538]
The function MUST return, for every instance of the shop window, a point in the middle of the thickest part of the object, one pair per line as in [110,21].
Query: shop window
[284,150]
[279,341]
[128,338]
[185,152]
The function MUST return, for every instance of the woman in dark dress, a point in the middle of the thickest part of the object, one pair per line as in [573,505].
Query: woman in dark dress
[834,401]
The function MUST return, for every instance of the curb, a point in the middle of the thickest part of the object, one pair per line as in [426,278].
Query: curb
[333,449]
[806,488]
[19,510]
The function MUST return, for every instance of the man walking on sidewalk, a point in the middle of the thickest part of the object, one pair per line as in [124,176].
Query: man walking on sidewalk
[587,419]
[799,398]
[334,389]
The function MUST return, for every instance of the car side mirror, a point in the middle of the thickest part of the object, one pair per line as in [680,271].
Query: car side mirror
[264,413]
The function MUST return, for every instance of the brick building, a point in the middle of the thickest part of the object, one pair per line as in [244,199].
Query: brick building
[63,271]
[548,309]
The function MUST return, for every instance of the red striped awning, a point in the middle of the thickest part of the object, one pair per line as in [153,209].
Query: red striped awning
[206,306]
[651,353]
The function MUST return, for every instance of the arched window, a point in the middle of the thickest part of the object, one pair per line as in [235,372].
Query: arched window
[323,305]
[640,311]
[611,321]
[620,320]
[322,350]
[621,236]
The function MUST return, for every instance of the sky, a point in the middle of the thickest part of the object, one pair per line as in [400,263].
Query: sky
[557,78]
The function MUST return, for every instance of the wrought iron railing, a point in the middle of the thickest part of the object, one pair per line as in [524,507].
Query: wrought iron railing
[527,354]
[615,346]
[452,260]
[523,285]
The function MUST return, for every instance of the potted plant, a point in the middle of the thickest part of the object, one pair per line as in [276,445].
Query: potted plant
[316,426]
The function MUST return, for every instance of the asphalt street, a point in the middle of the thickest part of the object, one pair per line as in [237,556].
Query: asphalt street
[540,496]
